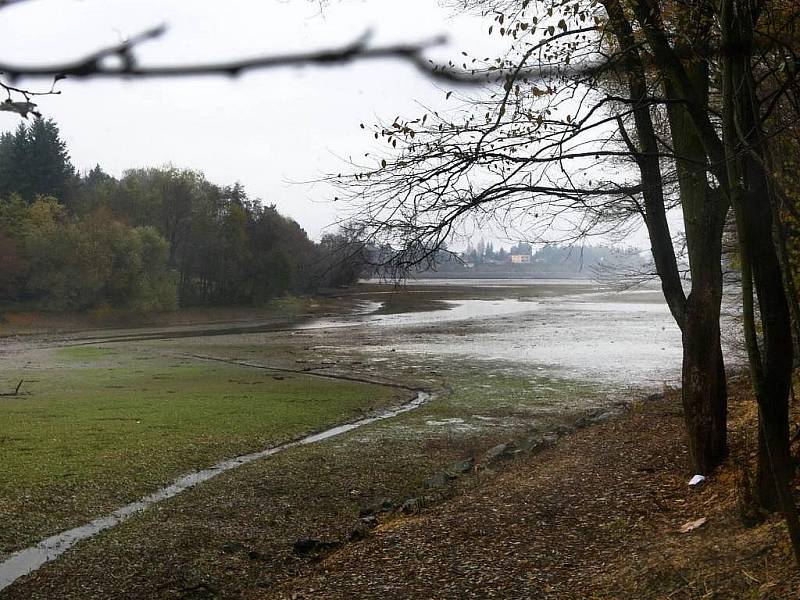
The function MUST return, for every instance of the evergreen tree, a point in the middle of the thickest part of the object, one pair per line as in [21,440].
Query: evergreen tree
[50,168]
[13,161]
[34,162]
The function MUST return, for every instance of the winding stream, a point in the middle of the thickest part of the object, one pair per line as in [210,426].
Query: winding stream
[28,560]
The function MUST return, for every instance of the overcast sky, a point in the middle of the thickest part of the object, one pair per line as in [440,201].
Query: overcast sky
[266,129]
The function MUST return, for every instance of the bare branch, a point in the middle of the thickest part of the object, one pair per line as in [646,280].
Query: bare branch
[97,64]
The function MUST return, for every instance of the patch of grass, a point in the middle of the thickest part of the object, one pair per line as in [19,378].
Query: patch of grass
[491,395]
[90,438]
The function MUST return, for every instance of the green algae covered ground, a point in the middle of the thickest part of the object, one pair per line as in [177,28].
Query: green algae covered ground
[98,427]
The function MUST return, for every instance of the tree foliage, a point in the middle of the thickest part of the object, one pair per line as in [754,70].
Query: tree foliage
[34,161]
[150,240]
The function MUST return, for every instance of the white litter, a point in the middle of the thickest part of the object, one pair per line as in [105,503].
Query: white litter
[697,480]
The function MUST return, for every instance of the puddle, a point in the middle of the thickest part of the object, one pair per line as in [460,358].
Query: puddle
[352,319]
[26,561]
[445,422]
[461,310]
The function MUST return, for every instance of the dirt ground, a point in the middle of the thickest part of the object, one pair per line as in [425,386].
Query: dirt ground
[598,515]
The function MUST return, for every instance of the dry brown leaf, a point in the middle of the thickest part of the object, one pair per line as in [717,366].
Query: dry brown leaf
[692,525]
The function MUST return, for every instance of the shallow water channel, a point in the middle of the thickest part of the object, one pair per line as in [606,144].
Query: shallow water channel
[28,560]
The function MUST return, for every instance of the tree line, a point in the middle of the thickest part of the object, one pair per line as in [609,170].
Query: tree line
[152,239]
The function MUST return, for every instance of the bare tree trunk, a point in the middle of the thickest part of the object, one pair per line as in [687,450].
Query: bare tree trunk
[781,237]
[766,492]
[704,391]
[773,366]
[755,207]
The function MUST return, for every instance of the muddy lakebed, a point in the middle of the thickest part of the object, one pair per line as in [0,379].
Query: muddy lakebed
[570,328]
[501,359]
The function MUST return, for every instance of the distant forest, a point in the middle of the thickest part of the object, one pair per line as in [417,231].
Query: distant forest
[154,239]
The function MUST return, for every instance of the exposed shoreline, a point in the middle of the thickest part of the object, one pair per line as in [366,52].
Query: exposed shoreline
[252,532]
[598,515]
[595,514]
